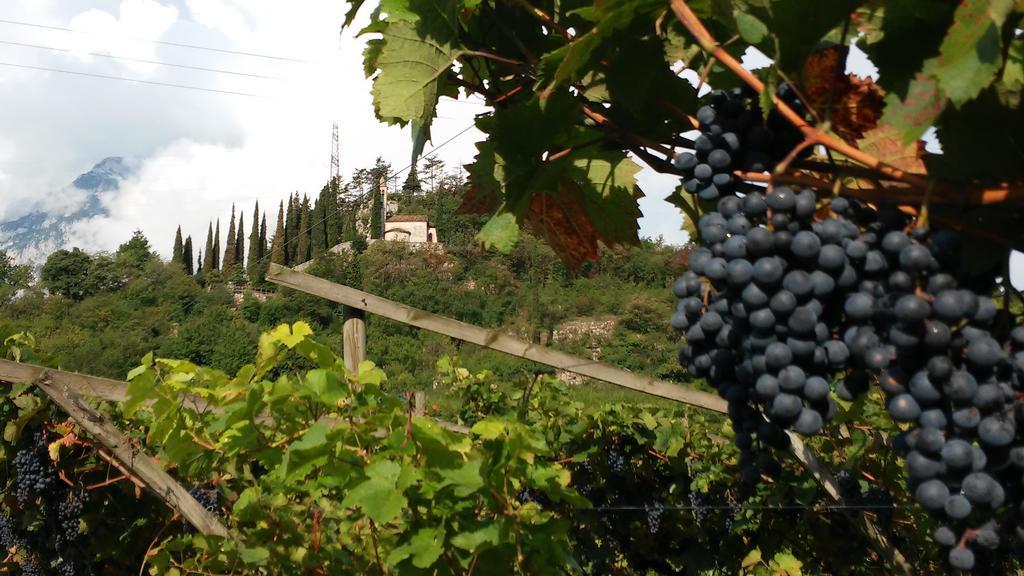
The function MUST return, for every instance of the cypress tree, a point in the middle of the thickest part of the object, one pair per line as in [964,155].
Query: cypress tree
[412,182]
[208,261]
[302,250]
[187,256]
[176,254]
[318,230]
[332,207]
[263,236]
[376,215]
[291,229]
[229,245]
[240,242]
[216,248]
[199,264]
[251,268]
[378,180]
[277,248]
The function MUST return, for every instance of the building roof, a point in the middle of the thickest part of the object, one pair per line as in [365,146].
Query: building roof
[407,218]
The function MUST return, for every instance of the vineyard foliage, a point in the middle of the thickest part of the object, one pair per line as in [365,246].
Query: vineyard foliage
[314,468]
[581,89]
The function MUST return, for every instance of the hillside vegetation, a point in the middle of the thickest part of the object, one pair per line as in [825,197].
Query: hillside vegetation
[100,313]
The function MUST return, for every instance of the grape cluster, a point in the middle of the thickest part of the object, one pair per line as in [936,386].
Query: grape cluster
[734,134]
[37,484]
[208,498]
[35,476]
[700,507]
[759,308]
[951,368]
[788,303]
[69,515]
[12,541]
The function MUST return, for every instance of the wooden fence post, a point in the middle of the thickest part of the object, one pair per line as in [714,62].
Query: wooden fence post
[353,338]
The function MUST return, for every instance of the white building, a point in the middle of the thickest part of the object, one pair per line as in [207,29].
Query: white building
[410,228]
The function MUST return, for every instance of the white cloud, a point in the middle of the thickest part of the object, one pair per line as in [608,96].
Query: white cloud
[201,152]
[122,35]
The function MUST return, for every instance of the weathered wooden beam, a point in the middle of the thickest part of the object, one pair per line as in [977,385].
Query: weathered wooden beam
[353,338]
[91,386]
[63,393]
[493,339]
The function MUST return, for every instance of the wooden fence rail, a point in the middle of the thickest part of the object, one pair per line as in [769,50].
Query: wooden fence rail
[353,298]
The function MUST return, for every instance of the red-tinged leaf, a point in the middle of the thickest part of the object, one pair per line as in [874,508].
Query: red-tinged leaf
[477,201]
[886,144]
[924,103]
[563,222]
[856,103]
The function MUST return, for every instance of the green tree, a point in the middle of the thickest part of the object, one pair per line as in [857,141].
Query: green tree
[13,277]
[188,261]
[254,255]
[378,183]
[209,251]
[230,247]
[412,186]
[177,253]
[136,252]
[216,248]
[302,251]
[291,229]
[65,272]
[278,254]
[332,209]
[318,228]
[199,263]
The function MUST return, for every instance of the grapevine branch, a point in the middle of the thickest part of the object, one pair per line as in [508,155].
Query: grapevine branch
[816,136]
[917,182]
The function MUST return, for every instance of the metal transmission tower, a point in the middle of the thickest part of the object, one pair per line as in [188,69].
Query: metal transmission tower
[335,153]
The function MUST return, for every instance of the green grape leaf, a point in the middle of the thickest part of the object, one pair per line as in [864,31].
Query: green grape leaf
[787,564]
[751,29]
[472,541]
[412,65]
[500,233]
[254,556]
[489,429]
[971,53]
[752,558]
[901,36]
[425,547]
[466,479]
[378,496]
[1011,83]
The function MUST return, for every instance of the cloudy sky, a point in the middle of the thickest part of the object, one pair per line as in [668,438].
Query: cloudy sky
[201,151]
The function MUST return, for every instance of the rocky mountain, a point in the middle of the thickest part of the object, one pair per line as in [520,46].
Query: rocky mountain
[35,235]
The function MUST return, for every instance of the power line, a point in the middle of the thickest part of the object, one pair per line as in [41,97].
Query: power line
[162,42]
[137,80]
[141,60]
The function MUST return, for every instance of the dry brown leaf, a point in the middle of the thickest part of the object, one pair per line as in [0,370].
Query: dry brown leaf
[856,103]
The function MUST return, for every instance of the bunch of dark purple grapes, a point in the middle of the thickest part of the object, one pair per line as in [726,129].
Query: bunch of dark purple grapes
[789,301]
[735,135]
